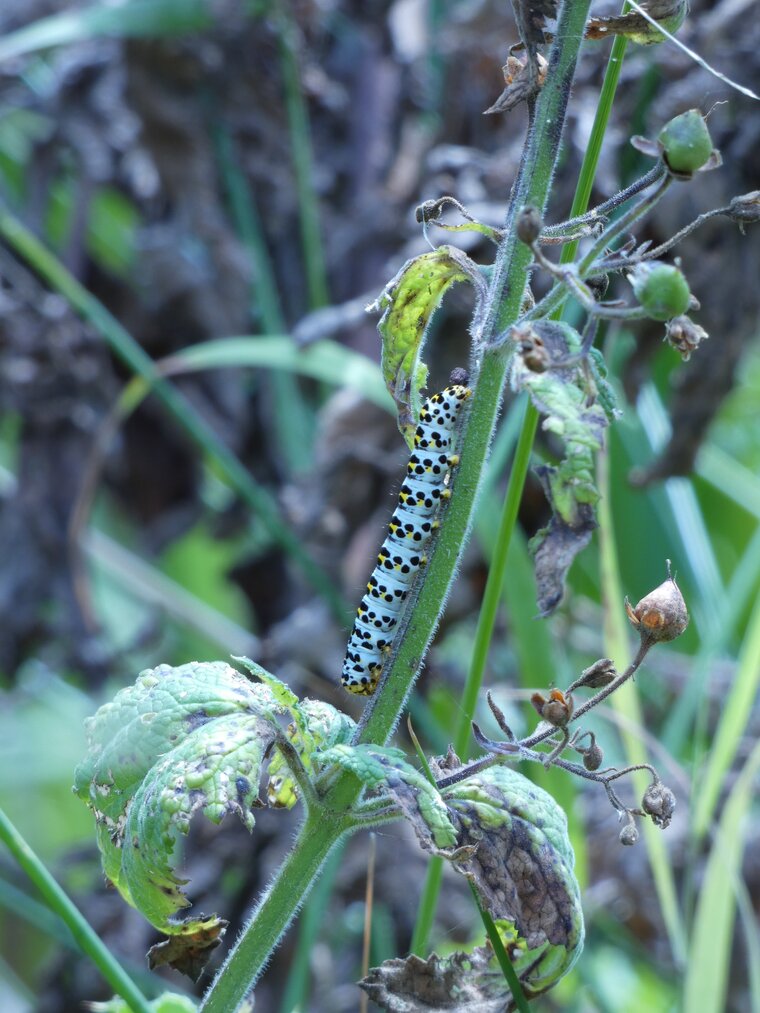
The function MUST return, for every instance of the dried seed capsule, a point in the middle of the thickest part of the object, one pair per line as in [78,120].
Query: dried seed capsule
[686,142]
[745,209]
[598,675]
[529,225]
[659,802]
[660,615]
[557,710]
[629,834]
[661,289]
[593,757]
[685,336]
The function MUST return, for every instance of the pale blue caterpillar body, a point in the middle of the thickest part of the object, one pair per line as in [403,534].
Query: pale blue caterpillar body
[403,551]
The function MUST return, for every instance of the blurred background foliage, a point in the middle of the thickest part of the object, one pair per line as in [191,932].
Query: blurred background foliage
[248,171]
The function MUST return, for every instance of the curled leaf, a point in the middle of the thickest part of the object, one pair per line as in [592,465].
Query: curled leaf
[181,741]
[509,838]
[189,952]
[669,14]
[407,305]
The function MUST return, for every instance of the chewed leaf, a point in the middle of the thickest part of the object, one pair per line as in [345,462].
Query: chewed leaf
[316,726]
[577,415]
[190,951]
[419,800]
[407,305]
[216,770]
[181,741]
[522,869]
[144,721]
[461,983]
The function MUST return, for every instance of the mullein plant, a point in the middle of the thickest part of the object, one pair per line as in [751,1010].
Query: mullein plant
[200,737]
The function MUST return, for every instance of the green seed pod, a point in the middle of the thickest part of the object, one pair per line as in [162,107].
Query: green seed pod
[661,289]
[686,142]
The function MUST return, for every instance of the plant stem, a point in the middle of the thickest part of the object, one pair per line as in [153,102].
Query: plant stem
[295,878]
[317,836]
[84,935]
[124,346]
[518,475]
[495,583]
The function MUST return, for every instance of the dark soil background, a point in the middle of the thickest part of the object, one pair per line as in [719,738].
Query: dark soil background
[395,116]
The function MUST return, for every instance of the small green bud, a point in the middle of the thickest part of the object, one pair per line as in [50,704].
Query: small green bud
[661,289]
[686,142]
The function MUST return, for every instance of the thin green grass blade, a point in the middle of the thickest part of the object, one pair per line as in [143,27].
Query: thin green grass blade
[300,142]
[137,18]
[748,922]
[730,477]
[26,245]
[686,515]
[517,477]
[625,701]
[324,360]
[149,585]
[294,422]
[510,975]
[86,938]
[710,952]
[742,588]
[733,722]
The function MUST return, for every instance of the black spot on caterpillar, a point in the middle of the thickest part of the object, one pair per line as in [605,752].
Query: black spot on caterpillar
[402,552]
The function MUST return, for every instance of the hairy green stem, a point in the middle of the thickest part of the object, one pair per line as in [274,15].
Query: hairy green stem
[277,908]
[247,959]
[488,369]
[84,935]
[518,474]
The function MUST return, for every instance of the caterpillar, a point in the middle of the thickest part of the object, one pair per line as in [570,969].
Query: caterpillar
[402,553]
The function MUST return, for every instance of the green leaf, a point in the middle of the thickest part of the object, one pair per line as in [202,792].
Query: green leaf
[419,800]
[522,868]
[407,305]
[144,721]
[316,726]
[181,741]
[570,411]
[216,770]
[710,951]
